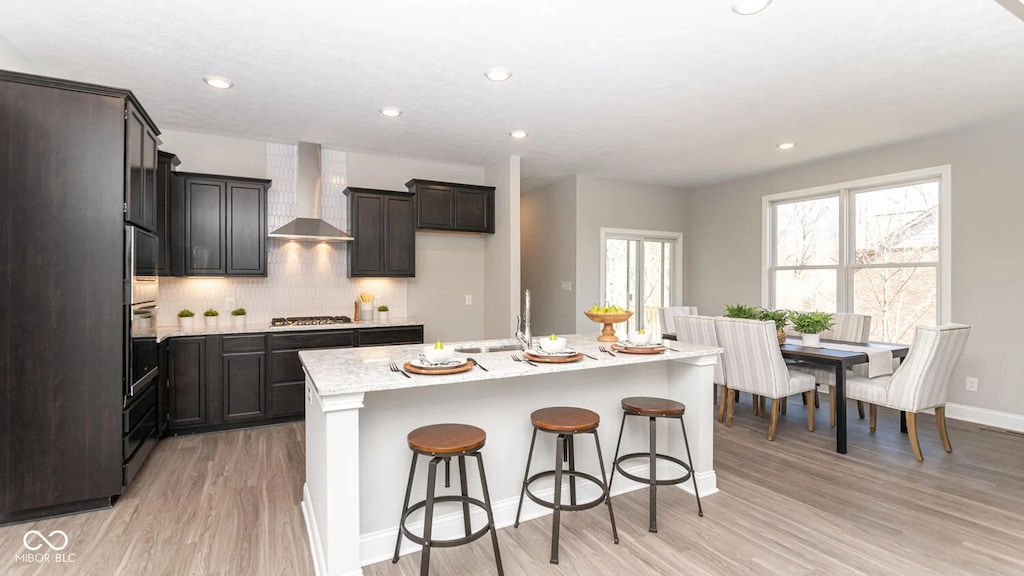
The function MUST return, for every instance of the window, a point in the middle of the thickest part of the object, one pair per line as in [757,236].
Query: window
[641,270]
[877,247]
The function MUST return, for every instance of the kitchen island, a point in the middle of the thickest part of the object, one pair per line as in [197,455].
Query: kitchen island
[358,413]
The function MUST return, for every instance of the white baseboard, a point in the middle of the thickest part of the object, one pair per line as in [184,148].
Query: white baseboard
[996,418]
[316,547]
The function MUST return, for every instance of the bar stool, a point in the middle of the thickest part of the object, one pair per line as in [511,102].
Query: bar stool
[443,442]
[655,408]
[566,423]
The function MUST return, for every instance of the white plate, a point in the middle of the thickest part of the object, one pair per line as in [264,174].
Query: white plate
[628,344]
[564,353]
[422,362]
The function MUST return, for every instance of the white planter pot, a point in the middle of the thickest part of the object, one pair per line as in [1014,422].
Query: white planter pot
[238,321]
[187,323]
[382,316]
[812,340]
[212,322]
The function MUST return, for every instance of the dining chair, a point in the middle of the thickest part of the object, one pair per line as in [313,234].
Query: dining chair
[701,330]
[921,382]
[847,327]
[668,314]
[753,362]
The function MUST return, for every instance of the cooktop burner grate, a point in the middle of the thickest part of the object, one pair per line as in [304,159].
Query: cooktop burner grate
[310,320]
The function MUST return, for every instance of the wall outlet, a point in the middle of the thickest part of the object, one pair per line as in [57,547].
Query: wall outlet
[469,299]
[566,286]
[972,384]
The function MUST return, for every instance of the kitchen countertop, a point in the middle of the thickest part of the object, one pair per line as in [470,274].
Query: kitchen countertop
[165,332]
[336,372]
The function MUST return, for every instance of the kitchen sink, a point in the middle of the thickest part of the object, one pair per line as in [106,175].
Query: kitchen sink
[499,347]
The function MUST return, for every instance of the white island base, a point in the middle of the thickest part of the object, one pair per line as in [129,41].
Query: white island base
[358,414]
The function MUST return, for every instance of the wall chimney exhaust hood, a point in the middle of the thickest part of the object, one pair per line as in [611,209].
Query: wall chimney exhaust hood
[309,225]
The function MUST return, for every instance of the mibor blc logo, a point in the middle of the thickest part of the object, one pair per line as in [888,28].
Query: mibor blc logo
[45,548]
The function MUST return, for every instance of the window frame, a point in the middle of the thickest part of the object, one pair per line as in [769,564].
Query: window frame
[676,292]
[847,266]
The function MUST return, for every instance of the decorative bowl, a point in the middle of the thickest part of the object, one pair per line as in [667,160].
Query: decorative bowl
[551,346]
[640,339]
[438,355]
[608,333]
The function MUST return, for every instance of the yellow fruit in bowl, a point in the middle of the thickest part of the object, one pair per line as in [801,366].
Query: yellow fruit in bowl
[438,345]
[553,337]
[640,331]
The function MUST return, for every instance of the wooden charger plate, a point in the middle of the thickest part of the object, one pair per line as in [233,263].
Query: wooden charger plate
[465,367]
[630,350]
[553,359]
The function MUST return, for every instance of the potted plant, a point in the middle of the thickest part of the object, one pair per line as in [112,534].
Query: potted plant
[382,313]
[741,311]
[238,317]
[811,325]
[211,318]
[780,317]
[186,319]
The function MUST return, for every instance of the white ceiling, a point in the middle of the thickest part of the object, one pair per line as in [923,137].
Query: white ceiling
[668,91]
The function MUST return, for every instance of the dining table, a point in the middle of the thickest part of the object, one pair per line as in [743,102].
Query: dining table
[841,361]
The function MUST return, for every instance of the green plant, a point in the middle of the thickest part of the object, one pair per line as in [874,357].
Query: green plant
[382,308]
[741,311]
[238,312]
[810,322]
[210,313]
[186,313]
[780,317]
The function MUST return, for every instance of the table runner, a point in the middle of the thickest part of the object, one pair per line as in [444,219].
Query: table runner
[879,360]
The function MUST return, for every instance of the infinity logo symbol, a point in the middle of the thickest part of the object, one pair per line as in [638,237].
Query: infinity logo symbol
[39,535]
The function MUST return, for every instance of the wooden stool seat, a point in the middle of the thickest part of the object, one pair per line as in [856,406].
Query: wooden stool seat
[565,419]
[648,406]
[447,438]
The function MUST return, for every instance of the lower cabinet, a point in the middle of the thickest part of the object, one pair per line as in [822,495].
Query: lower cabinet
[216,382]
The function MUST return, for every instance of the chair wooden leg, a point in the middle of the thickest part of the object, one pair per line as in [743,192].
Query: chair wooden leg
[774,423]
[784,403]
[912,432]
[940,419]
[873,410]
[832,406]
[756,405]
[731,404]
[723,402]
[860,409]
[762,403]
[810,409]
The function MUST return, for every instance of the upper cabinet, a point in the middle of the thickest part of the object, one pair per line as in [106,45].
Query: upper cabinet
[453,207]
[140,169]
[383,225]
[218,225]
[165,165]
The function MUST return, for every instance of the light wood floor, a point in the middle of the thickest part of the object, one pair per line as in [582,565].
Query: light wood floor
[227,504]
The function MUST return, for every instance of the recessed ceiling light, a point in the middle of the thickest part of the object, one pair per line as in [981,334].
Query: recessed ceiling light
[218,82]
[498,74]
[391,111]
[749,7]
[786,145]
[518,134]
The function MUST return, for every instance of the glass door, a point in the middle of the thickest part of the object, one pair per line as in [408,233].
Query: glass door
[639,272]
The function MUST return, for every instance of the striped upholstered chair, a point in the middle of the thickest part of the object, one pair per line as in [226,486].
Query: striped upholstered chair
[754,364]
[701,330]
[921,382]
[847,328]
[668,313]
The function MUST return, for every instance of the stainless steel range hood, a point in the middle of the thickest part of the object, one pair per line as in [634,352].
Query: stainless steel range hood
[308,225]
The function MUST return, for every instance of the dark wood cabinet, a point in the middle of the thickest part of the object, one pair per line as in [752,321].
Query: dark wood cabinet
[140,169]
[218,225]
[187,382]
[62,351]
[383,225]
[288,381]
[165,165]
[453,207]
[243,377]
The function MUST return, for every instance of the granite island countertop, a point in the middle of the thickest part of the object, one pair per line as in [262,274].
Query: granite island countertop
[340,371]
[225,327]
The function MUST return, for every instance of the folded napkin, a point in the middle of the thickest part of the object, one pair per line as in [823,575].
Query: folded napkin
[879,361]
[423,360]
[540,352]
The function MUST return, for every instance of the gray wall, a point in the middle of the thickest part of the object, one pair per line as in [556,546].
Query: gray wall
[549,256]
[216,154]
[724,242]
[502,251]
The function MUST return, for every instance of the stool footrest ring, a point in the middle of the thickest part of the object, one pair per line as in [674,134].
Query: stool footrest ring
[572,507]
[647,456]
[444,543]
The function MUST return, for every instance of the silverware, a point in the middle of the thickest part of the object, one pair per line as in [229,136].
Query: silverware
[608,350]
[588,356]
[518,359]
[395,368]
[477,364]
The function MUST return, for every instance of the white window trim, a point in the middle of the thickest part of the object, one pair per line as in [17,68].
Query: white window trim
[943,173]
[677,258]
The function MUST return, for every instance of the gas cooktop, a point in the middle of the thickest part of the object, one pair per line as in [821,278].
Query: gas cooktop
[310,320]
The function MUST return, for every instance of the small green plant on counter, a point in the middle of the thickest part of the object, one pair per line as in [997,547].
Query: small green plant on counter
[210,312]
[238,312]
[780,317]
[810,322]
[186,313]
[741,311]
[382,308]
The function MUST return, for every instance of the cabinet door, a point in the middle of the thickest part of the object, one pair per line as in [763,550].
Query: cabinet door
[163,212]
[435,207]
[243,382]
[246,229]
[149,179]
[400,236]
[135,132]
[366,257]
[187,382]
[474,210]
[204,227]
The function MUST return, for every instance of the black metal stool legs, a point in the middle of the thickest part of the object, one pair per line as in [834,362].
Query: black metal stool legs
[556,517]
[693,475]
[526,476]
[465,493]
[653,514]
[607,488]
[490,514]
[428,518]
[405,507]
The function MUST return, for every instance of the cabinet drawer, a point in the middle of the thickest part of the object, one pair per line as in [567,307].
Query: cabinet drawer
[235,344]
[325,339]
[288,399]
[378,336]
[137,410]
[140,432]
[285,367]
